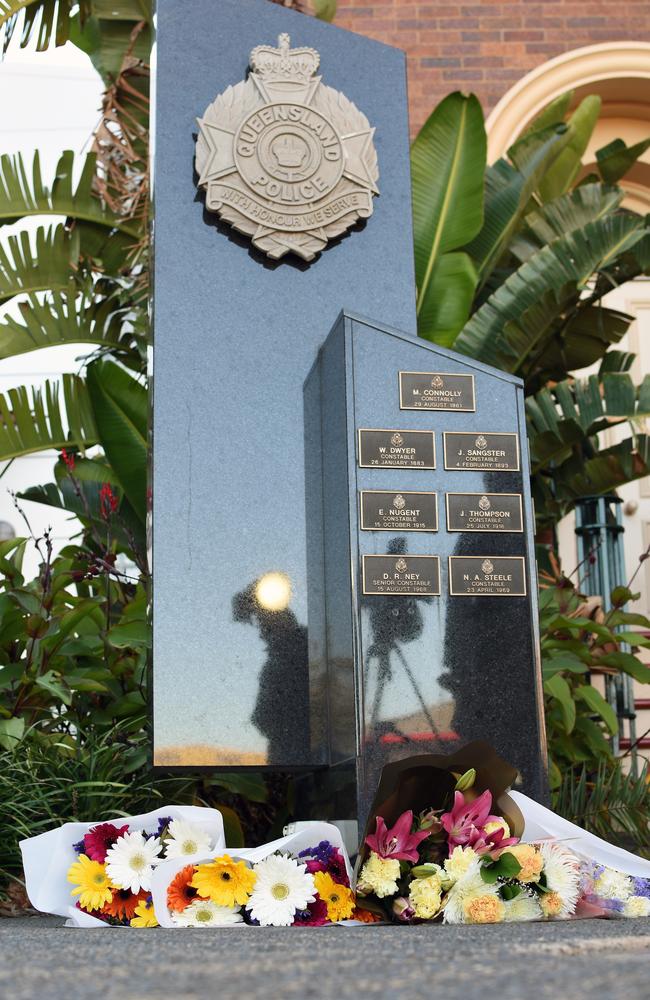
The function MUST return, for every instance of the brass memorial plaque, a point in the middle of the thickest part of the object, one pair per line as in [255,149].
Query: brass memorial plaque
[395,449]
[436,391]
[414,576]
[481,451]
[487,576]
[484,512]
[395,511]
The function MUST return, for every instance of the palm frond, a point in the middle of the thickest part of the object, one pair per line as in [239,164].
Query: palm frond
[33,420]
[21,195]
[43,19]
[65,317]
[34,263]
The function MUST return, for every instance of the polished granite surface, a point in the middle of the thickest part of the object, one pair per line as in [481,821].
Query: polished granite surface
[235,337]
[400,665]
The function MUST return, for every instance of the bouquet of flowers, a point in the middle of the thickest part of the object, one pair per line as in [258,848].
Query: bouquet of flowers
[302,880]
[463,863]
[99,874]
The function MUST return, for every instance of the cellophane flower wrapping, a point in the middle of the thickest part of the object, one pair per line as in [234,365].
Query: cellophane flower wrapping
[309,896]
[446,841]
[49,858]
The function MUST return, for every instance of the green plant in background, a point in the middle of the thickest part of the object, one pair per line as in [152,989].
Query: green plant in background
[589,785]
[525,250]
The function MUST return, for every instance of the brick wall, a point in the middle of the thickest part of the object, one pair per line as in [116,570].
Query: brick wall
[486,47]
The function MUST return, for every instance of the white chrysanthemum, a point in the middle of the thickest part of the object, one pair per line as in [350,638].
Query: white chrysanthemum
[379,875]
[522,907]
[282,887]
[130,861]
[637,906]
[469,886]
[611,884]
[205,913]
[185,839]
[562,875]
[459,862]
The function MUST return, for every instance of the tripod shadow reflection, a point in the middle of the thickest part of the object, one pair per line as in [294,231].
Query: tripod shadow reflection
[394,622]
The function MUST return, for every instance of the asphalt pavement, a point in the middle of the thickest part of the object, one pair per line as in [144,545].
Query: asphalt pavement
[39,958]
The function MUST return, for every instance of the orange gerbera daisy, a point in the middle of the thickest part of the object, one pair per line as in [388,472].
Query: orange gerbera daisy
[179,892]
[123,903]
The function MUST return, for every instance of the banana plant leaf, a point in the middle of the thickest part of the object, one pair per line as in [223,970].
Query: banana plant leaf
[44,20]
[569,212]
[65,317]
[513,322]
[508,190]
[38,262]
[615,159]
[22,196]
[447,166]
[581,341]
[33,420]
[561,175]
[120,406]
[552,114]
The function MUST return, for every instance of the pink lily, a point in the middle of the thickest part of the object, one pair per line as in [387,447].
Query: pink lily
[465,825]
[398,842]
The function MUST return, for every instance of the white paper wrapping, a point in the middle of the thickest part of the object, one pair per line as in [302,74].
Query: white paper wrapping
[542,824]
[47,858]
[309,835]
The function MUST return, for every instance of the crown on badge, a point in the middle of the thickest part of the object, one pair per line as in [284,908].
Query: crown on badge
[284,63]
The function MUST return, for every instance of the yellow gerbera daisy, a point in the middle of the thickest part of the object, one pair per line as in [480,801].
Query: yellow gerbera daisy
[226,882]
[145,915]
[91,883]
[339,899]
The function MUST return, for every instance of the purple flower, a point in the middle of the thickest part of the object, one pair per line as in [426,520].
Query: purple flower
[322,852]
[314,916]
[79,847]
[641,887]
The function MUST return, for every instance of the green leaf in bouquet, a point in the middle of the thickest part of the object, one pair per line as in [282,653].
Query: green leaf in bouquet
[510,891]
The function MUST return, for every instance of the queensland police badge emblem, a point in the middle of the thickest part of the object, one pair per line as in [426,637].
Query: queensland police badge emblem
[285,159]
